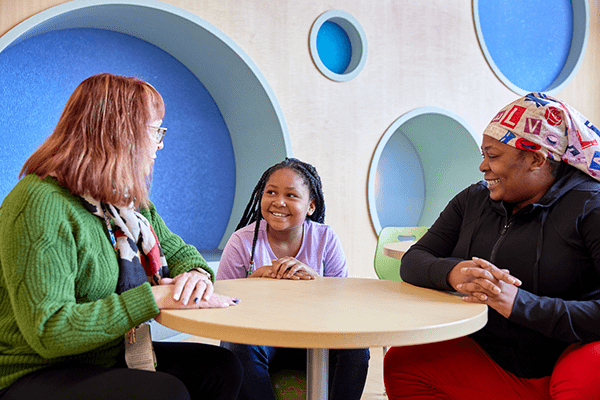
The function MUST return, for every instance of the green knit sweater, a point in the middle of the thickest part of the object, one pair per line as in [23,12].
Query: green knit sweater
[58,275]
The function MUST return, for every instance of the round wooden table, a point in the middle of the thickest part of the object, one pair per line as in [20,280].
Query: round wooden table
[397,249]
[329,313]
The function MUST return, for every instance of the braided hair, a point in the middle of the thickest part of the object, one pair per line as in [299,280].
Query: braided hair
[311,179]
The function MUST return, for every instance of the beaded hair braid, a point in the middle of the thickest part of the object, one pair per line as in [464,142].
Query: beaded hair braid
[311,179]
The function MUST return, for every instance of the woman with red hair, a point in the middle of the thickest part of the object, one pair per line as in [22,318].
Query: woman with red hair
[85,260]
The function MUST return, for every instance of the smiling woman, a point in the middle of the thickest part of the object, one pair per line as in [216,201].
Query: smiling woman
[515,176]
[526,244]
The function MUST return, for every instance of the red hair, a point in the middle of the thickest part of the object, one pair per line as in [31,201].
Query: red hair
[101,146]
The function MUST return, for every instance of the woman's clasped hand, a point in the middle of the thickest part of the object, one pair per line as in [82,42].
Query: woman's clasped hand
[483,282]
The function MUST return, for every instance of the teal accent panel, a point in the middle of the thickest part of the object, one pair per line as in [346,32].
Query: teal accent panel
[428,152]
[400,184]
[450,157]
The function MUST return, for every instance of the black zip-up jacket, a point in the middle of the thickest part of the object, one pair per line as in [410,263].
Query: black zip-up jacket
[552,246]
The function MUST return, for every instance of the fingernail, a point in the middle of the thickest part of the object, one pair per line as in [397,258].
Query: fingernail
[459,286]
[463,270]
[196,300]
[496,290]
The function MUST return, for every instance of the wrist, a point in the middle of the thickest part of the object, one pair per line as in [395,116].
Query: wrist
[201,272]
[455,277]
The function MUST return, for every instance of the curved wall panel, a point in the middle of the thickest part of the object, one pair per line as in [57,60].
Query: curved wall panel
[249,110]
[533,46]
[187,178]
[424,158]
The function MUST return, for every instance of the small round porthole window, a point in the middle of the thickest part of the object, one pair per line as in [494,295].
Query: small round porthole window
[534,45]
[338,45]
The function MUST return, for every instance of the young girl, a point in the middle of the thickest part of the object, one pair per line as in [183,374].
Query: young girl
[282,236]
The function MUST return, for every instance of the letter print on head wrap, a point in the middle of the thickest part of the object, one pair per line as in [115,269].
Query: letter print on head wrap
[538,122]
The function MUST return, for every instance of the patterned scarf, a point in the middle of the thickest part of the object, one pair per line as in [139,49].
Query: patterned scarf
[139,254]
[538,122]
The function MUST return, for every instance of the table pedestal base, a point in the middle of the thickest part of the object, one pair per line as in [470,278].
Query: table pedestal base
[317,374]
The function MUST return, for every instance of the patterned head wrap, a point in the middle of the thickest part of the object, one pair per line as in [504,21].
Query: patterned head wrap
[538,122]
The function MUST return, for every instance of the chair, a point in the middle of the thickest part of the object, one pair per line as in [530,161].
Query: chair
[388,268]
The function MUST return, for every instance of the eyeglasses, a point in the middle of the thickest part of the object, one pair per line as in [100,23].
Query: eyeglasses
[160,133]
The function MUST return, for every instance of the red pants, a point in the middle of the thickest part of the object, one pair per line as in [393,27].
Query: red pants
[460,370]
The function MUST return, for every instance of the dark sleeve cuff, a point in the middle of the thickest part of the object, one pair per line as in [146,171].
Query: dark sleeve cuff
[439,272]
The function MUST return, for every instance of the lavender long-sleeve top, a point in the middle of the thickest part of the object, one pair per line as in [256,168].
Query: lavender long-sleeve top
[321,250]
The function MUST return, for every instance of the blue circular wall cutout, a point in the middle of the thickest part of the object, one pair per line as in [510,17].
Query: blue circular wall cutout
[334,47]
[242,95]
[194,175]
[535,45]
[399,183]
[338,45]
[423,159]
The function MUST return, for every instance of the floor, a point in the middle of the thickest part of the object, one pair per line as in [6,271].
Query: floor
[374,389]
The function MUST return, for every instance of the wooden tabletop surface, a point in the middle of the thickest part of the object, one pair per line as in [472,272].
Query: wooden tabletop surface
[397,249]
[330,313]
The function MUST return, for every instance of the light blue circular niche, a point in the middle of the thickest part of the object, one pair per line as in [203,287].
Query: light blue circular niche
[424,158]
[249,109]
[534,45]
[338,45]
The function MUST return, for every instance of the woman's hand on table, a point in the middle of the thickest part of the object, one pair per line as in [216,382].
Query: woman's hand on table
[190,285]
[485,283]
[285,268]
[189,290]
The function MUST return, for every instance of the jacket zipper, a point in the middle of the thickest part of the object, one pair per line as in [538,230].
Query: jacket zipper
[506,227]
